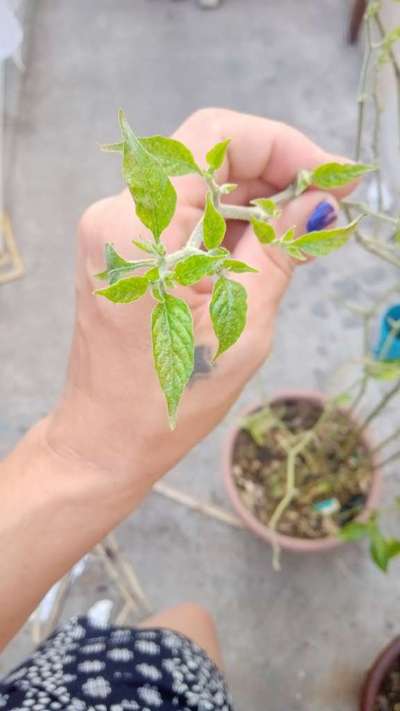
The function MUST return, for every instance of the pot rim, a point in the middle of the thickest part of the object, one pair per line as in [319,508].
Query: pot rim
[377,673]
[283,541]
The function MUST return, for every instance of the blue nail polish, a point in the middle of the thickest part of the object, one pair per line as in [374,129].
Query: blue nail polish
[322,216]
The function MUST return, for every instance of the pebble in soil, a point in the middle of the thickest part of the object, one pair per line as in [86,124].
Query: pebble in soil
[336,464]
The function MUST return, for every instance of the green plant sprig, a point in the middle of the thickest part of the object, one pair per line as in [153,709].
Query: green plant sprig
[147,166]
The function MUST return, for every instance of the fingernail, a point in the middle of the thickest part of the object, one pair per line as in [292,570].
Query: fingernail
[322,216]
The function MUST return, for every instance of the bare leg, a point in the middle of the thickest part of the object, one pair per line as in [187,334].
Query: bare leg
[194,622]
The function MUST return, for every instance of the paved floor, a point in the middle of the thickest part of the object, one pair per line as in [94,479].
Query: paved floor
[297,640]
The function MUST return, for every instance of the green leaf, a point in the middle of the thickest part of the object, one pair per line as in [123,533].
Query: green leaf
[289,235]
[333,175]
[387,45]
[125,291]
[383,370]
[264,232]
[323,242]
[396,237]
[173,349]
[216,156]
[228,188]
[392,548]
[295,253]
[219,252]
[113,147]
[150,187]
[228,311]
[268,205]
[214,226]
[303,181]
[342,400]
[153,275]
[144,246]
[235,265]
[191,269]
[378,549]
[173,155]
[373,8]
[354,531]
[117,266]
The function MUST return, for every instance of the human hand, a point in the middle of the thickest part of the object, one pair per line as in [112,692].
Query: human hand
[112,413]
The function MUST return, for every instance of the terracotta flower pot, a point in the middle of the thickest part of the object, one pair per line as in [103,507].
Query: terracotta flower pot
[301,545]
[375,676]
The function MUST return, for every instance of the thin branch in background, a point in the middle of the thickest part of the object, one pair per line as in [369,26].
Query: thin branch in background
[362,97]
[388,397]
[391,438]
[393,458]
[189,501]
[395,65]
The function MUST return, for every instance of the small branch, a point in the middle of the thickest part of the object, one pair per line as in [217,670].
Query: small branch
[362,94]
[388,440]
[385,253]
[238,212]
[290,480]
[380,406]
[393,458]
[208,509]
[395,64]
[366,210]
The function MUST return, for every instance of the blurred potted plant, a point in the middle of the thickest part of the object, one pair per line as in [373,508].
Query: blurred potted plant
[301,470]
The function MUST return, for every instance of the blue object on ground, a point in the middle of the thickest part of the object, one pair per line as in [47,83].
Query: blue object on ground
[327,506]
[388,346]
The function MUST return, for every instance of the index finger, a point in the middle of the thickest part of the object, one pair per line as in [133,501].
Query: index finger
[260,149]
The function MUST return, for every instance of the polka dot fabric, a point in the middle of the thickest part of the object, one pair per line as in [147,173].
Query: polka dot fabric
[86,668]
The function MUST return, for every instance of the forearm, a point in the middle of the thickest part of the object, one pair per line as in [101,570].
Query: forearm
[53,510]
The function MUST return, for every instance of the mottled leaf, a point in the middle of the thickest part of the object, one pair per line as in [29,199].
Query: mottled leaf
[151,189]
[214,225]
[228,311]
[191,269]
[173,349]
[216,156]
[323,242]
[268,205]
[334,175]
[126,290]
[264,232]
[173,155]
[235,265]
[117,266]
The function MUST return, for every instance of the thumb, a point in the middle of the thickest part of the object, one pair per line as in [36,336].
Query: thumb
[314,210]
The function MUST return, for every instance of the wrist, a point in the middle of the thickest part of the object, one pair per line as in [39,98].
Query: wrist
[83,434]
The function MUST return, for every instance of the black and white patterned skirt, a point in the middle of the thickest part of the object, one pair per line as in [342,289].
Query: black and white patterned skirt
[83,667]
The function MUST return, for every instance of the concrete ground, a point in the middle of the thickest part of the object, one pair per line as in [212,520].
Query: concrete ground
[300,639]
